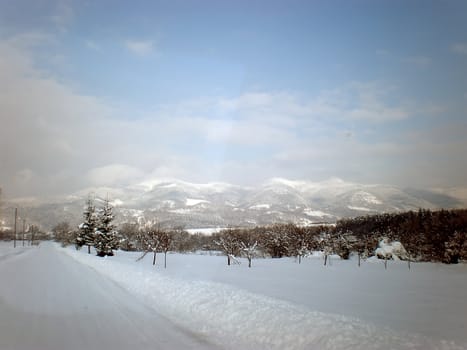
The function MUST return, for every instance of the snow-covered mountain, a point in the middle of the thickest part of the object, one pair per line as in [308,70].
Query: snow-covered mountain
[180,203]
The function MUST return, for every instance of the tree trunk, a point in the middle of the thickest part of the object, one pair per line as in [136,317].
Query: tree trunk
[325,259]
[154,259]
[89,249]
[358,259]
[299,258]
[249,261]
[408,262]
[165,260]
[385,263]
[228,260]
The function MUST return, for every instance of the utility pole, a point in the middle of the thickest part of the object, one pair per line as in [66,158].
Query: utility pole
[1,221]
[24,226]
[16,217]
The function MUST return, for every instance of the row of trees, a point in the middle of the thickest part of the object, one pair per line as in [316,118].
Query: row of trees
[282,240]
[426,236]
[437,236]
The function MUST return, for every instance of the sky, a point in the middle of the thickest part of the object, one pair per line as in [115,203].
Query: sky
[113,93]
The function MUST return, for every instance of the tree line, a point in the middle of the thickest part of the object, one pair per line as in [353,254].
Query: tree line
[437,236]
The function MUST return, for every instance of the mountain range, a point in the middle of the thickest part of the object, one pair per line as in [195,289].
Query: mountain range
[189,205]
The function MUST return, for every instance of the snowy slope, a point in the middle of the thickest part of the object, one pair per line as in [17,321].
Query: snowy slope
[276,305]
[175,202]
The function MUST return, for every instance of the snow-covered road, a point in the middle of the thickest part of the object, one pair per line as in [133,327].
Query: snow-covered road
[50,301]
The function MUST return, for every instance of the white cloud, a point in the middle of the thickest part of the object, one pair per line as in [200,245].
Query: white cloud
[114,175]
[460,48]
[70,141]
[140,47]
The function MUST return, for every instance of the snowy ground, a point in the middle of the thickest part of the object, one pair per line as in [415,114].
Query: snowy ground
[50,301]
[281,304]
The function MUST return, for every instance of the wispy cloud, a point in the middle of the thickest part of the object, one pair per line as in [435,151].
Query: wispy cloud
[140,47]
[63,15]
[460,48]
[28,40]
[70,140]
[419,61]
[92,45]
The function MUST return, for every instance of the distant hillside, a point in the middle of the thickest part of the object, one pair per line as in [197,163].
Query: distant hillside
[180,203]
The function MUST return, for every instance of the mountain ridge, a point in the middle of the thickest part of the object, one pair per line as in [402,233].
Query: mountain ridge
[175,202]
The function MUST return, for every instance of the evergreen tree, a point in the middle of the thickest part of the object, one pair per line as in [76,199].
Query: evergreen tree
[86,234]
[106,237]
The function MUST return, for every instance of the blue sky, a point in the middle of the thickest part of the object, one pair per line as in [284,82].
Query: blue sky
[110,93]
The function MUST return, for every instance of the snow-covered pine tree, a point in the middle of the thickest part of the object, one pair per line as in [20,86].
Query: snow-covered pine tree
[87,228]
[106,237]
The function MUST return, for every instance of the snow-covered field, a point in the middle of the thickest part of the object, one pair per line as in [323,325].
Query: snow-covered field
[7,251]
[280,304]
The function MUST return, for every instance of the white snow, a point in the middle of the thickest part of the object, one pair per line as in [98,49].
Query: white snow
[168,203]
[358,208]
[8,252]
[280,304]
[316,213]
[205,231]
[366,197]
[260,206]
[290,183]
[391,250]
[116,202]
[238,209]
[53,302]
[181,211]
[191,202]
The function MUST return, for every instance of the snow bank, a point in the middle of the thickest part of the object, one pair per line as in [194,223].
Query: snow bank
[8,252]
[235,318]
[391,250]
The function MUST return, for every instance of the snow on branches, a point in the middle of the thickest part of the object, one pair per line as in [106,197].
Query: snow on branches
[155,239]
[97,229]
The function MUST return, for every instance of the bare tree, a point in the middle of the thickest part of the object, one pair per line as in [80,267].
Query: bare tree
[300,241]
[150,242]
[229,243]
[129,234]
[365,246]
[276,240]
[34,230]
[63,233]
[165,243]
[249,250]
